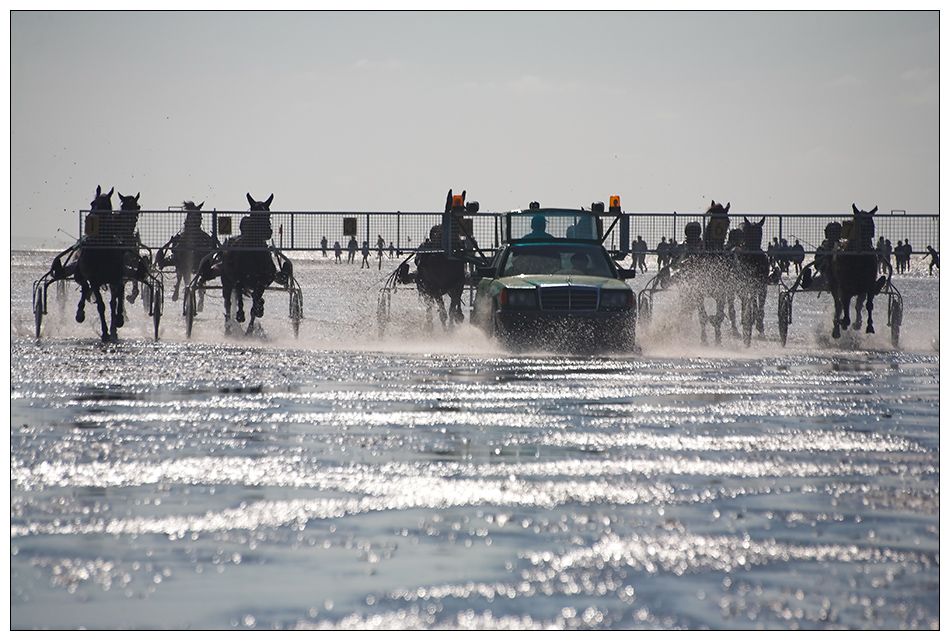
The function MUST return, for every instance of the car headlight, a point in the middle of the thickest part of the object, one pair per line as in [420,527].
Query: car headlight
[616,298]
[522,298]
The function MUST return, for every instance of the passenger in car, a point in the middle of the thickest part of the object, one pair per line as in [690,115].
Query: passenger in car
[538,225]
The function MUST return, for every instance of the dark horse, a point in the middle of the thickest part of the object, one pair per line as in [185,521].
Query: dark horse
[753,278]
[246,267]
[436,274]
[108,254]
[708,271]
[186,249]
[853,273]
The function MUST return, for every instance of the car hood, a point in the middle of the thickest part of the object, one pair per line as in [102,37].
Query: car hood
[540,280]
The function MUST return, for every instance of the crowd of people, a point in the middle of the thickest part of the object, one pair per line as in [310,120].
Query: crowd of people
[783,257]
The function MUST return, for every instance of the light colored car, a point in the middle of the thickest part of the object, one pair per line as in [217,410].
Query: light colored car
[553,286]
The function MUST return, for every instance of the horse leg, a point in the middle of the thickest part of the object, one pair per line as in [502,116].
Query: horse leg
[846,312]
[732,315]
[178,279]
[101,307]
[718,318]
[81,309]
[748,312]
[428,325]
[703,319]
[759,302]
[117,310]
[836,332]
[226,288]
[456,310]
[118,305]
[443,316]
[859,300]
[870,307]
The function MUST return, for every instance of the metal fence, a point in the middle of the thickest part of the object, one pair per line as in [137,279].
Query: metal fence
[405,231]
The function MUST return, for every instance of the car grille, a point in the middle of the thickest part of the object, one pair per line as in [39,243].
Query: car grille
[569,298]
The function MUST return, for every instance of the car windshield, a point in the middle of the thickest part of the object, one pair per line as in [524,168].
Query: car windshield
[553,223]
[557,259]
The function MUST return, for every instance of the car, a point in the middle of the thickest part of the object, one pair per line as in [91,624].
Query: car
[553,286]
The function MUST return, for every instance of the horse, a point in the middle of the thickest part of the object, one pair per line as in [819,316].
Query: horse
[712,271]
[853,273]
[105,259]
[246,267]
[753,278]
[126,222]
[437,275]
[186,249]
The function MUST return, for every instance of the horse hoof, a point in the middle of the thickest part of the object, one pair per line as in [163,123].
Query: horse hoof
[836,333]
[239,317]
[175,296]
[870,329]
[80,316]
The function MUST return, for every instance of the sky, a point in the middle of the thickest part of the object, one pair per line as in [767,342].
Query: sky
[801,112]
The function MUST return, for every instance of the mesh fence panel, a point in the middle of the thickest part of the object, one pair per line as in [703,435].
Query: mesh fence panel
[405,231]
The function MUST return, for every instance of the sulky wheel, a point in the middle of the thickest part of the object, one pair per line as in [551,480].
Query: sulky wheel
[38,309]
[784,315]
[158,302]
[895,315]
[189,306]
[296,310]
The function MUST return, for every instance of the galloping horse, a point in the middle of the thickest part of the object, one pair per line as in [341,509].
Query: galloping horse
[246,267]
[753,278]
[853,273]
[105,259]
[186,249]
[127,220]
[437,275]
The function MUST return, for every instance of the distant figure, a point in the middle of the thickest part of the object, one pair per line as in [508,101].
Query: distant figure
[323,246]
[798,256]
[392,250]
[908,250]
[338,251]
[783,255]
[538,226]
[365,255]
[662,253]
[640,253]
[934,259]
[351,248]
[380,244]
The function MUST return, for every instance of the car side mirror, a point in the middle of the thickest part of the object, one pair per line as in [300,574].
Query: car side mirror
[627,273]
[485,272]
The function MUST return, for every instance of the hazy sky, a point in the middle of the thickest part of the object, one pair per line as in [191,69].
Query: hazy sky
[774,112]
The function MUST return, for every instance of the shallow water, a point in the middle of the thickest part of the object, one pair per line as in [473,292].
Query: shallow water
[347,480]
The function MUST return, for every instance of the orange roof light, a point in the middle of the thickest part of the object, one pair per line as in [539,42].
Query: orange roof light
[615,202]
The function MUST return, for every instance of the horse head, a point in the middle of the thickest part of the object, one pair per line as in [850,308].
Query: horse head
[128,218]
[862,232]
[256,227]
[752,234]
[714,235]
[257,205]
[102,202]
